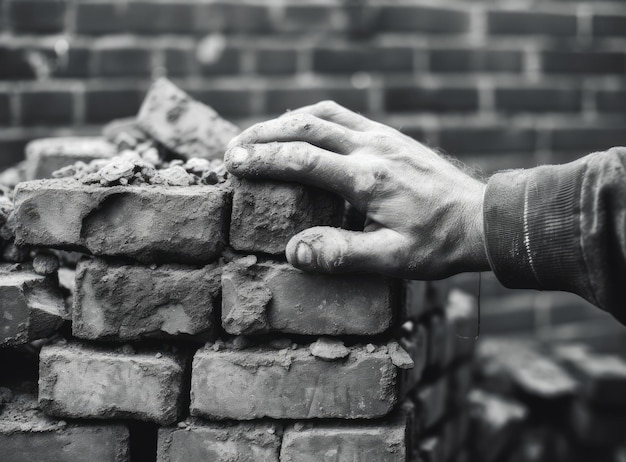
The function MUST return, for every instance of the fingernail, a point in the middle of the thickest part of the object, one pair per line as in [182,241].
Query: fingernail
[304,254]
[237,156]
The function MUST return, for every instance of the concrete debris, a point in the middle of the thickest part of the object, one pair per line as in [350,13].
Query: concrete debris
[329,349]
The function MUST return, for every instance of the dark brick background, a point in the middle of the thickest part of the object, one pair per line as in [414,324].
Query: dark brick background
[498,84]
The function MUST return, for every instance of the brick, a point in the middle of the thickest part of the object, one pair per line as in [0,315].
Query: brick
[15,65]
[508,314]
[32,306]
[362,59]
[533,374]
[583,62]
[438,344]
[460,382]
[220,442]
[179,61]
[308,18]
[83,382]
[609,25]
[228,61]
[99,18]
[415,343]
[125,60]
[431,450]
[281,100]
[76,63]
[387,441]
[276,297]
[430,20]
[5,108]
[473,60]
[423,99]
[430,401]
[37,16]
[597,426]
[292,384]
[611,101]
[46,155]
[12,151]
[170,17]
[126,127]
[531,23]
[27,435]
[47,108]
[584,140]
[602,377]
[236,18]
[186,126]
[496,140]
[148,223]
[103,105]
[276,61]
[461,315]
[115,301]
[227,102]
[266,214]
[495,421]
[414,304]
[538,99]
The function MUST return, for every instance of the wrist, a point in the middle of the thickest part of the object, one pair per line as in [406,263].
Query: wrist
[474,254]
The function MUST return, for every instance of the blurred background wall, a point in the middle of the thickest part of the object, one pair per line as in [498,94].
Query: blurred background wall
[499,84]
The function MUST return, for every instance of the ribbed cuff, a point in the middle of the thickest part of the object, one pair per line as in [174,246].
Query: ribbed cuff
[532,227]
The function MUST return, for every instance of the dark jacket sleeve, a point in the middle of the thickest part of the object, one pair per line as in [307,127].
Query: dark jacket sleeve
[562,227]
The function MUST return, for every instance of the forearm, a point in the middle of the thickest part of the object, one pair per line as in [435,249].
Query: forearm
[562,227]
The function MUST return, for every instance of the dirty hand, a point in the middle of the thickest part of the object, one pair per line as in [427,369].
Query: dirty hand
[423,214]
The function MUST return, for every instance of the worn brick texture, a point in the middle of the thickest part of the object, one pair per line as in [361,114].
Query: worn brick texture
[500,85]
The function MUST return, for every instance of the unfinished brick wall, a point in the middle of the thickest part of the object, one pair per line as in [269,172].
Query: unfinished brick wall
[500,84]
[183,338]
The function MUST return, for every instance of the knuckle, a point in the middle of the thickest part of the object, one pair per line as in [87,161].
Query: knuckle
[302,124]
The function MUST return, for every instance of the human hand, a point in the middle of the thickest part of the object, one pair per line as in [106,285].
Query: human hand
[423,215]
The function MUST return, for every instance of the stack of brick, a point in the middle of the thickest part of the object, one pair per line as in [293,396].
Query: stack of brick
[295,366]
[559,403]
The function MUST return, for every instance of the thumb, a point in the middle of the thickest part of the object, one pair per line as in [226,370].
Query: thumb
[335,250]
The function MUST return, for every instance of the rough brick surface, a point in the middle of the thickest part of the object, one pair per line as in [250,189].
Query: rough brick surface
[117,301]
[79,381]
[275,296]
[292,384]
[266,214]
[148,223]
[47,155]
[32,306]
[242,442]
[366,442]
[26,435]
[187,127]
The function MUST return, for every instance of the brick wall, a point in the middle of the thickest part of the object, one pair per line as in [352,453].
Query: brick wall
[499,84]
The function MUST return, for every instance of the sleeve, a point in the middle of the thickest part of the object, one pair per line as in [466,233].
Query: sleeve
[562,227]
